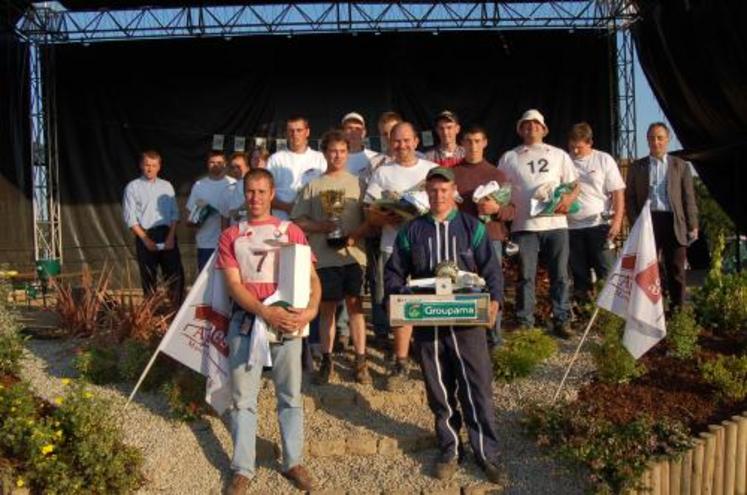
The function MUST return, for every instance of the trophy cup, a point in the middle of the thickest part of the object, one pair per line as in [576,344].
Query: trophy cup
[333,203]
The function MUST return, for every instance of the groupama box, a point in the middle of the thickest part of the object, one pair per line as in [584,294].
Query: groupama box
[436,310]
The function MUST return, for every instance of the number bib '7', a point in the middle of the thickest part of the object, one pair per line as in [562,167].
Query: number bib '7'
[258,262]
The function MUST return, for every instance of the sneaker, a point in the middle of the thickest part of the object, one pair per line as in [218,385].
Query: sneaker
[239,485]
[326,368]
[495,473]
[563,329]
[445,469]
[398,376]
[300,477]
[362,375]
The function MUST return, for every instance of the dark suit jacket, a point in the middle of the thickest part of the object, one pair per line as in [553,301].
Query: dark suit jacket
[679,188]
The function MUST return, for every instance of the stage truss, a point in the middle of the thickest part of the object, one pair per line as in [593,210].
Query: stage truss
[48,23]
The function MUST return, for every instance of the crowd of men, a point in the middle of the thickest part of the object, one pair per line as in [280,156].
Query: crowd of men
[251,198]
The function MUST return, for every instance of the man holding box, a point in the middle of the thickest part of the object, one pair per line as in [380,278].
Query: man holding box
[454,360]
[250,266]
[529,167]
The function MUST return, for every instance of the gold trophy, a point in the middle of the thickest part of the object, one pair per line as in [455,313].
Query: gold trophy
[333,204]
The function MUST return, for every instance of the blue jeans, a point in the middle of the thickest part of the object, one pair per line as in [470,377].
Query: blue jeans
[553,246]
[494,334]
[203,256]
[286,375]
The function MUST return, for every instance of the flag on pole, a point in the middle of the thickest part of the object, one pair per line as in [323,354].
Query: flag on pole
[197,336]
[633,288]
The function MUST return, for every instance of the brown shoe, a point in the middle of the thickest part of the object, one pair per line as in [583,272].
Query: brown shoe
[300,477]
[239,485]
[362,375]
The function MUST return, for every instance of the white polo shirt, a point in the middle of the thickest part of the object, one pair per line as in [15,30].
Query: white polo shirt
[528,167]
[598,176]
[394,177]
[292,171]
[210,191]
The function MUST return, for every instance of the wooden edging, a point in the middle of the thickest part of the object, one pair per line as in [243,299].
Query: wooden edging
[715,465]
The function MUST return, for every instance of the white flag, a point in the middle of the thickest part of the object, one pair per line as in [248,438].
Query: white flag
[197,336]
[633,288]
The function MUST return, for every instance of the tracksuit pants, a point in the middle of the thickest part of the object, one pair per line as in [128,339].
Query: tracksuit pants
[458,383]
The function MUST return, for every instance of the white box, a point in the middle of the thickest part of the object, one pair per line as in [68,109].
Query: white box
[294,277]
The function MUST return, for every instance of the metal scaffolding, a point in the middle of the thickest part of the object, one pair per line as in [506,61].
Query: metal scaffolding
[48,23]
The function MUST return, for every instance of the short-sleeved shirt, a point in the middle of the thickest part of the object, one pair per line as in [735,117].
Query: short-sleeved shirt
[394,177]
[292,171]
[209,191]
[149,203]
[233,203]
[527,168]
[309,205]
[361,161]
[243,246]
[598,176]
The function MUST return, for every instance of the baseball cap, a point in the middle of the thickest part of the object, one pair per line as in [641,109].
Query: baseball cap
[447,115]
[535,115]
[353,116]
[444,172]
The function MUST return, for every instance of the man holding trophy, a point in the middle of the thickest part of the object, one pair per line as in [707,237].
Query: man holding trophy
[329,211]
[454,359]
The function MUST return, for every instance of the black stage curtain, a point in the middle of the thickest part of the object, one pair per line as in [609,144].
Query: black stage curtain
[116,99]
[16,213]
[694,54]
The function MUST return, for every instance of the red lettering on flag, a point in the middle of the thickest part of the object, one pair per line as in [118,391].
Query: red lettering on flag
[648,280]
[628,262]
[206,312]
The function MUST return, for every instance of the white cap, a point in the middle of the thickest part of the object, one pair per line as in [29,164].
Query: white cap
[535,115]
[353,116]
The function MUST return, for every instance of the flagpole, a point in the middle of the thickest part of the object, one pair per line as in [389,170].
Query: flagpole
[142,377]
[575,354]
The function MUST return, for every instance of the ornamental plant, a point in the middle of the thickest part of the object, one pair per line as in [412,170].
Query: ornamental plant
[616,455]
[721,302]
[70,446]
[682,333]
[521,352]
[728,374]
[613,362]
[11,341]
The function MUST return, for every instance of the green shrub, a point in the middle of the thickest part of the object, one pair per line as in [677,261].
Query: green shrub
[11,341]
[682,333]
[613,362]
[134,357]
[75,447]
[98,364]
[616,455]
[721,301]
[729,375]
[185,393]
[521,352]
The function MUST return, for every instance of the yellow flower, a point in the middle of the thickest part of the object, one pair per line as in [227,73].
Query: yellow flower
[30,422]
[58,400]
[58,433]
[47,449]
[20,482]
[66,381]
[87,395]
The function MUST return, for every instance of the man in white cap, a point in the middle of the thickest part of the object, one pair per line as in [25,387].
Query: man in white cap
[359,158]
[528,166]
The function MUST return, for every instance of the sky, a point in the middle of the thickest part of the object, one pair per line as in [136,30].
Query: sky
[647,111]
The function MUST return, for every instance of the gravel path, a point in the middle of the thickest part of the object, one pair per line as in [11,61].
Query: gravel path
[193,459]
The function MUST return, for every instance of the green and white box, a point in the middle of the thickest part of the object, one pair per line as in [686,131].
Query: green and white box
[429,310]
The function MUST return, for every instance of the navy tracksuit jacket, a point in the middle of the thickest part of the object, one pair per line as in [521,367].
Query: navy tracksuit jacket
[455,360]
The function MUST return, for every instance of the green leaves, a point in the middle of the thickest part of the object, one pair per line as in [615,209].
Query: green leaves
[521,352]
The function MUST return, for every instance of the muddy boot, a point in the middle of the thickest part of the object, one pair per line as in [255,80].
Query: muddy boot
[326,368]
[362,375]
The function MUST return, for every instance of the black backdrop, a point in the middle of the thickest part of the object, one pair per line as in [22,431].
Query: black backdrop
[694,54]
[16,214]
[115,99]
